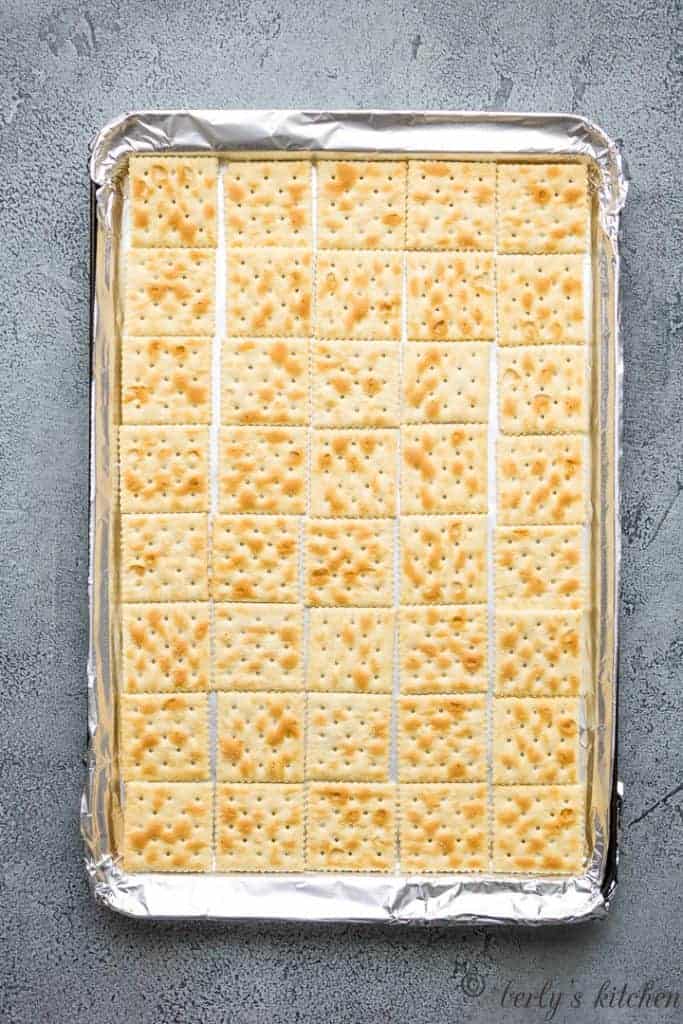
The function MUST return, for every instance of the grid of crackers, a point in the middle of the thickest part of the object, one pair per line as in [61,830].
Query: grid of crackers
[349,641]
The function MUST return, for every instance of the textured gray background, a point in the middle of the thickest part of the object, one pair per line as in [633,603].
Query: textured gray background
[64,70]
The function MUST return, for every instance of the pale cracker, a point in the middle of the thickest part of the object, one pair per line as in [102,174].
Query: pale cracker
[543,390]
[541,480]
[259,827]
[350,562]
[167,826]
[173,200]
[535,740]
[540,299]
[538,654]
[451,204]
[347,737]
[269,293]
[166,647]
[260,737]
[359,295]
[351,826]
[262,469]
[351,650]
[164,737]
[166,380]
[353,472]
[538,829]
[542,208]
[361,204]
[443,468]
[258,647]
[446,383]
[355,384]
[255,558]
[268,202]
[443,827]
[265,381]
[170,292]
[450,296]
[443,560]
[164,469]
[164,557]
[540,567]
[443,649]
[442,738]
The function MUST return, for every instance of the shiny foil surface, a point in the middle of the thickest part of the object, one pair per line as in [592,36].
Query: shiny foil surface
[427,899]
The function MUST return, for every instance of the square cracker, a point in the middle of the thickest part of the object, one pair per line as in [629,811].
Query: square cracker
[164,557]
[164,469]
[173,201]
[170,292]
[443,649]
[540,299]
[259,827]
[166,380]
[361,204]
[265,381]
[351,650]
[446,383]
[442,738]
[350,562]
[166,647]
[542,208]
[353,472]
[444,827]
[540,567]
[450,296]
[359,295]
[260,737]
[538,654]
[255,558]
[164,737]
[351,826]
[167,826]
[258,647]
[355,384]
[451,204]
[538,829]
[268,202]
[269,293]
[347,737]
[543,389]
[443,560]
[535,740]
[541,480]
[262,469]
[444,468]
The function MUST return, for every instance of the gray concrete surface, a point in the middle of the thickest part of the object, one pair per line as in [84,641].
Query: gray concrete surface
[65,68]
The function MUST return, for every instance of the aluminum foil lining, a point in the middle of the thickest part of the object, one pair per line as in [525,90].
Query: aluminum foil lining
[441,899]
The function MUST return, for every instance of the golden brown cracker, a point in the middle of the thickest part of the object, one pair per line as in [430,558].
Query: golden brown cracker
[353,472]
[444,469]
[164,469]
[173,200]
[255,558]
[541,480]
[443,649]
[258,647]
[446,383]
[542,207]
[359,295]
[262,469]
[451,204]
[450,296]
[538,654]
[361,204]
[167,826]
[538,829]
[164,557]
[443,827]
[540,299]
[443,560]
[260,737]
[268,202]
[442,738]
[265,381]
[351,826]
[351,649]
[535,740]
[355,384]
[166,380]
[164,737]
[269,293]
[349,562]
[540,567]
[347,737]
[259,827]
[170,292]
[543,389]
[166,647]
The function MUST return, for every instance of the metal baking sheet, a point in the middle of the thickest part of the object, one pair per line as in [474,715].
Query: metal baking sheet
[436,899]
